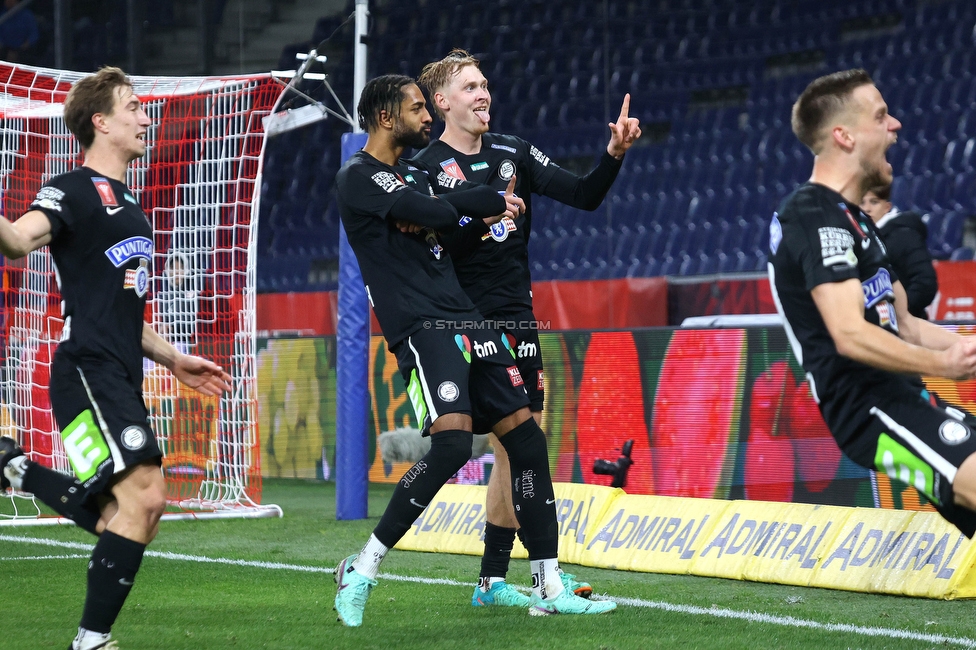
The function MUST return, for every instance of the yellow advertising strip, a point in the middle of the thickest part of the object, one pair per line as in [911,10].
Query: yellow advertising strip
[857,549]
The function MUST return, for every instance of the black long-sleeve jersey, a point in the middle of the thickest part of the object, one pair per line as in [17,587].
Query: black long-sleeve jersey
[409,277]
[493,263]
[817,237]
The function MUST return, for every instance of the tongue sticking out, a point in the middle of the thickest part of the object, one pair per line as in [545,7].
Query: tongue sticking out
[483,116]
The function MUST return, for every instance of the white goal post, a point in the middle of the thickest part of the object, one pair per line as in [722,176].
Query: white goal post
[199,184]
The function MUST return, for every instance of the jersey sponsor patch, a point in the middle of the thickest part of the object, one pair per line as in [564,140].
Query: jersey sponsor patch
[541,385]
[453,169]
[478,166]
[506,170]
[886,315]
[137,278]
[105,191]
[499,231]
[515,376]
[130,248]
[131,199]
[447,181]
[463,221]
[775,234]
[836,246]
[877,288]
[504,147]
[49,198]
[388,182]
[539,156]
[860,228]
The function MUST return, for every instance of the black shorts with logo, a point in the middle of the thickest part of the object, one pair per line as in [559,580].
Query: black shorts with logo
[522,329]
[919,439]
[470,371]
[103,420]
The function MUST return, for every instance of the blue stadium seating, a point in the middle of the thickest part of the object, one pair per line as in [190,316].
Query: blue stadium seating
[695,196]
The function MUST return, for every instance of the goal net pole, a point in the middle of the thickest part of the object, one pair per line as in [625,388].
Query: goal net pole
[199,185]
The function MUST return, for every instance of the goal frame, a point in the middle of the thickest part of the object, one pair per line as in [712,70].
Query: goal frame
[236,110]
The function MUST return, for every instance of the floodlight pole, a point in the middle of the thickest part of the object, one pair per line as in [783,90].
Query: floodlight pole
[352,333]
[359,62]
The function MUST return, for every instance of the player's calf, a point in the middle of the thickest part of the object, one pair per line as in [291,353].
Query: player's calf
[534,502]
[63,494]
[11,474]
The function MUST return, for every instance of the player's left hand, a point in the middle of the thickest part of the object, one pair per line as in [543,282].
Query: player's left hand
[203,376]
[408,227]
[624,131]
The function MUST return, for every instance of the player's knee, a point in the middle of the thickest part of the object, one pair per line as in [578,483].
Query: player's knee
[452,422]
[500,455]
[964,484]
[152,503]
[525,443]
[451,449]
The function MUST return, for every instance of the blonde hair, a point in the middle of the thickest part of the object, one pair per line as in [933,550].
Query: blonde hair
[435,76]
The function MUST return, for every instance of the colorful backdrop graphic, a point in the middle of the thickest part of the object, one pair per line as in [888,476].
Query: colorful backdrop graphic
[712,413]
[296,412]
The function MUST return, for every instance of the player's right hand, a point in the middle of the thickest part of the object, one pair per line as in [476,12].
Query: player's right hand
[960,359]
[514,206]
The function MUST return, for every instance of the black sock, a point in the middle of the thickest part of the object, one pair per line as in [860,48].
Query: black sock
[62,493]
[111,572]
[498,551]
[449,451]
[532,495]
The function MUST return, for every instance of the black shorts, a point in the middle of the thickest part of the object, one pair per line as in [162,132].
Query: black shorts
[471,371]
[523,332]
[921,440]
[103,420]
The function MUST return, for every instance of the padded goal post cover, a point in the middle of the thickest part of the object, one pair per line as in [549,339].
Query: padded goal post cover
[352,379]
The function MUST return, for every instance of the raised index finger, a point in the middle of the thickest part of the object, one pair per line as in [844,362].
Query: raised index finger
[624,108]
[511,185]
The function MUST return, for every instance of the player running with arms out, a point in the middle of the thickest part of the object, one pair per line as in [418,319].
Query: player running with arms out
[458,378]
[102,245]
[846,313]
[492,262]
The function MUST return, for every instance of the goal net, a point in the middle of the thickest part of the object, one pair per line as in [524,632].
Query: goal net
[199,185]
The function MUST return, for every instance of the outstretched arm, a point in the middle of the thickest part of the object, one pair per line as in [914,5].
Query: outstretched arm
[203,376]
[28,233]
[588,192]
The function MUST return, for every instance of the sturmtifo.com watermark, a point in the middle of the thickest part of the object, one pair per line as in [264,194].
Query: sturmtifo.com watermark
[487,324]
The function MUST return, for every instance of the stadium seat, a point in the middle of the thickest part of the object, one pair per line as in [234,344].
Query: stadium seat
[964,192]
[963,253]
[951,236]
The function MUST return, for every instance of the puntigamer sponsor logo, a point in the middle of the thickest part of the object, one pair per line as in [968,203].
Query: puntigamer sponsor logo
[128,249]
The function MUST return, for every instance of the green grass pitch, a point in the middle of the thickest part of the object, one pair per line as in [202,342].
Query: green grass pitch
[189,595]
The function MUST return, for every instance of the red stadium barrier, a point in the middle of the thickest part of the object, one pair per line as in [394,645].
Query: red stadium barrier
[619,304]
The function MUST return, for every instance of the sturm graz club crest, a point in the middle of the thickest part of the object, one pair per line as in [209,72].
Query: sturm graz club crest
[506,170]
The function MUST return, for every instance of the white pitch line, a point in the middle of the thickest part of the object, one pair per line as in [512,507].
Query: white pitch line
[717,612]
[45,557]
